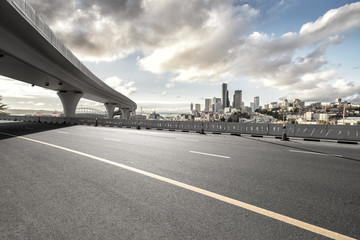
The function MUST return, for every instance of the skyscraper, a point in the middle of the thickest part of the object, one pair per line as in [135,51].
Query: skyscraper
[225,96]
[252,106]
[191,107]
[216,104]
[207,104]
[197,107]
[237,99]
[227,99]
[256,102]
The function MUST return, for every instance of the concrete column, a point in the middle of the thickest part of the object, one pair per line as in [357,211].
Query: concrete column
[125,113]
[69,101]
[110,107]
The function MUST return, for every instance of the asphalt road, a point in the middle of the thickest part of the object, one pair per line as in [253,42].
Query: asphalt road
[85,182]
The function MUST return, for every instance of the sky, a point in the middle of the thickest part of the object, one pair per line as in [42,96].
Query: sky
[165,54]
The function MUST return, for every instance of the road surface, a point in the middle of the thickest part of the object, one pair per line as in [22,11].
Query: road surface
[86,182]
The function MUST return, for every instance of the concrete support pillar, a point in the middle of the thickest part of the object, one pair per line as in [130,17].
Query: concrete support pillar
[69,101]
[110,107]
[125,113]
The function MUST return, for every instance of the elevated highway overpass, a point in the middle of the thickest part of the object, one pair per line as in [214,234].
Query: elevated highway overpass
[30,52]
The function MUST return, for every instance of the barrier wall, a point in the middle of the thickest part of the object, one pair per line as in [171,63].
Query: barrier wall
[336,132]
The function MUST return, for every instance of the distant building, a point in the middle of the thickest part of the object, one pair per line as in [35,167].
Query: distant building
[309,116]
[350,121]
[197,107]
[191,107]
[338,101]
[273,105]
[298,103]
[252,106]
[225,96]
[207,105]
[216,105]
[153,116]
[286,103]
[237,102]
[247,109]
[256,102]
[324,117]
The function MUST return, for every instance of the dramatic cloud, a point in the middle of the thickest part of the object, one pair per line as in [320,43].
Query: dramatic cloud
[120,85]
[207,40]
[269,61]
[329,91]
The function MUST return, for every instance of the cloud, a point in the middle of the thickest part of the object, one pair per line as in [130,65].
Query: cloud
[170,85]
[327,91]
[120,85]
[17,89]
[204,40]
[99,30]
[164,93]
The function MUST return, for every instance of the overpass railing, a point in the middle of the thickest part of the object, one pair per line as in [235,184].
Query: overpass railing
[39,24]
[335,132]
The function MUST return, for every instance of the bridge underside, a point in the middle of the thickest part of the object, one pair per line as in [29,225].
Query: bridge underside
[26,55]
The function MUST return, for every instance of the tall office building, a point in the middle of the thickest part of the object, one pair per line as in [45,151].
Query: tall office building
[225,96]
[237,99]
[216,104]
[256,102]
[191,107]
[207,104]
[227,99]
[197,107]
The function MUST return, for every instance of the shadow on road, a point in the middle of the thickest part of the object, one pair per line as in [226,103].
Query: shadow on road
[25,128]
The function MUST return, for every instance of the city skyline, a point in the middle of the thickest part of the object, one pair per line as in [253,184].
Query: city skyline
[257,47]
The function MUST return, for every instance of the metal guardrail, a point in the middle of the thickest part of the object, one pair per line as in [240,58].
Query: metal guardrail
[40,25]
[335,132]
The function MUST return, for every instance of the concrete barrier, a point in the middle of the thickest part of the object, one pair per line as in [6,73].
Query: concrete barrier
[339,132]
[310,131]
[334,132]
[256,128]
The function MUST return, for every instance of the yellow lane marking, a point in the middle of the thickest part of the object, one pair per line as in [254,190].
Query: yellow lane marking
[264,212]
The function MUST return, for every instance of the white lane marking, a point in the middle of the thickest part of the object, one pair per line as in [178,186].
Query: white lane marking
[63,132]
[252,208]
[112,139]
[187,139]
[315,153]
[209,154]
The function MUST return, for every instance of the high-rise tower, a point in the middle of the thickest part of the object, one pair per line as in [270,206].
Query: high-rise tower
[207,104]
[237,99]
[256,102]
[224,96]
